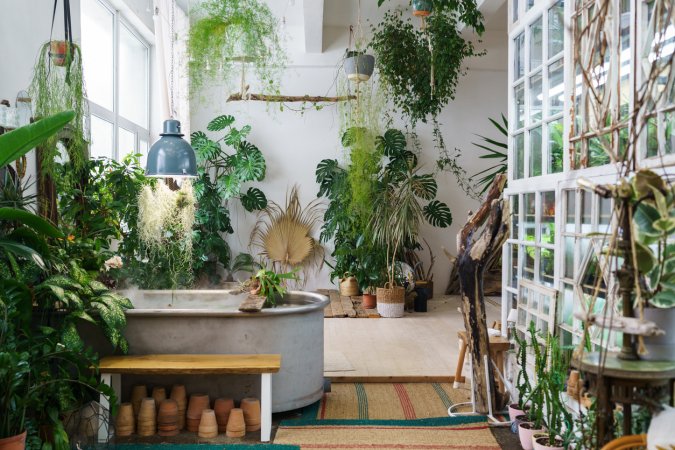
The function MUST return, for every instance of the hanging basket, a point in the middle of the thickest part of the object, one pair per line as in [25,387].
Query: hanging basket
[359,67]
[348,285]
[391,301]
[422,8]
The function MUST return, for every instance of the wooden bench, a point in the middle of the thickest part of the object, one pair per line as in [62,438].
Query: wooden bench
[498,345]
[112,367]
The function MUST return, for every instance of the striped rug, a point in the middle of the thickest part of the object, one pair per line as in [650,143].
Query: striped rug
[391,401]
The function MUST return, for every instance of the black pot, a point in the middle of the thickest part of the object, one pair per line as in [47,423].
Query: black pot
[421,300]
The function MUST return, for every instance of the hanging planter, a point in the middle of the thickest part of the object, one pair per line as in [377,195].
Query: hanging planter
[61,52]
[358,66]
[422,8]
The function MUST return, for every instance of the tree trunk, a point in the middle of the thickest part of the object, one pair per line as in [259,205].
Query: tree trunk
[471,261]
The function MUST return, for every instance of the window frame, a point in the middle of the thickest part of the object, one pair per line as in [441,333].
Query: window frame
[141,134]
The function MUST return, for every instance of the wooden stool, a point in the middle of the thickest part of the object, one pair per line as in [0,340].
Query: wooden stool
[498,345]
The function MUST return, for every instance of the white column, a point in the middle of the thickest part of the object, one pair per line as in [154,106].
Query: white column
[266,407]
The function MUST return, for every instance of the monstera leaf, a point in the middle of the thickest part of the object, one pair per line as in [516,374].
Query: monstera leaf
[205,148]
[325,174]
[354,134]
[220,123]
[234,137]
[250,164]
[424,186]
[392,143]
[229,186]
[254,199]
[438,214]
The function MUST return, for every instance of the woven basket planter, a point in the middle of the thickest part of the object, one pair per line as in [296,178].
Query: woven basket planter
[391,301]
[349,286]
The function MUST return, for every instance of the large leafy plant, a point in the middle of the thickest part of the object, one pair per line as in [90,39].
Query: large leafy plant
[222,175]
[496,151]
[226,32]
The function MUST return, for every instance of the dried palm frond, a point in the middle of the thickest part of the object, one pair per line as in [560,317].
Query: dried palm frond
[283,235]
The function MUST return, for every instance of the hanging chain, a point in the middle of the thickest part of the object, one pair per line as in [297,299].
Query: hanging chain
[172,24]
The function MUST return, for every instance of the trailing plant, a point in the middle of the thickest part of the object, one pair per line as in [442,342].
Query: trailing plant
[221,178]
[420,67]
[229,31]
[165,222]
[284,234]
[271,284]
[365,157]
[497,150]
[55,89]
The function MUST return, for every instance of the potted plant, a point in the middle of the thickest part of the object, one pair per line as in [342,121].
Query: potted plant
[358,65]
[536,399]
[422,8]
[224,33]
[269,284]
[522,380]
[398,213]
[369,298]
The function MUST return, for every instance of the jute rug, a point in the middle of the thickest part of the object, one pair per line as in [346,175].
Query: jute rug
[387,416]
[203,447]
[392,401]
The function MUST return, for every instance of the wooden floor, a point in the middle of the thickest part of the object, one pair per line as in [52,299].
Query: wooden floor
[342,306]
[416,347]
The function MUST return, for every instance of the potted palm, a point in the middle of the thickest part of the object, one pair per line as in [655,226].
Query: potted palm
[398,213]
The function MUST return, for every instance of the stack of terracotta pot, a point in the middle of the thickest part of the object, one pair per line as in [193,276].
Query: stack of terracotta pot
[159,394]
[198,403]
[251,408]
[147,417]
[222,408]
[208,427]
[236,427]
[167,418]
[178,394]
[138,393]
[124,425]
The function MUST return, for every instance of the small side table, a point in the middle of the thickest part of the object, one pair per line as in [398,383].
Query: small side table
[498,345]
[628,383]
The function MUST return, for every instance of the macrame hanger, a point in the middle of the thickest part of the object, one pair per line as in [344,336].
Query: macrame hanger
[172,25]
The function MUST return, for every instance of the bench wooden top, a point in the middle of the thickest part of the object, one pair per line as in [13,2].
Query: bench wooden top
[497,343]
[191,364]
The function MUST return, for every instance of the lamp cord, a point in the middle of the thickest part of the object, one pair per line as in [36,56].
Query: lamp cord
[172,21]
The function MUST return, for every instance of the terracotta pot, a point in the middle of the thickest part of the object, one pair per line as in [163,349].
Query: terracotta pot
[167,418]
[138,393]
[17,442]
[178,393]
[147,417]
[251,408]
[208,427]
[159,394]
[222,408]
[236,426]
[198,403]
[514,411]
[422,8]
[369,301]
[58,52]
[125,423]
[525,433]
[541,443]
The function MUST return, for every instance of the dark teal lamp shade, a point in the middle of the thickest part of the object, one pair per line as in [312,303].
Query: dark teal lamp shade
[171,156]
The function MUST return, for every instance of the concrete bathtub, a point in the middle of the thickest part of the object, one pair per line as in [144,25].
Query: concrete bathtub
[209,322]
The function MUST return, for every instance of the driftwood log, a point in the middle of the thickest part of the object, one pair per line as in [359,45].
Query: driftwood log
[237,97]
[492,282]
[474,253]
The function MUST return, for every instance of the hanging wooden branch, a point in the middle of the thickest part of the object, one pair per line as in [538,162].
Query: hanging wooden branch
[237,97]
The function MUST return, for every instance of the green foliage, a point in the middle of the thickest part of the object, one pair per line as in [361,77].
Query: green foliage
[495,150]
[364,166]
[654,225]
[55,89]
[272,284]
[466,10]
[420,67]
[221,178]
[227,31]
[523,380]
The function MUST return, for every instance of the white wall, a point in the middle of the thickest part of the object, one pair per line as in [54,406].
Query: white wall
[293,144]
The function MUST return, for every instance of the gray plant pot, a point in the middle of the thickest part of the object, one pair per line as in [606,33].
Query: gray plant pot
[359,68]
[661,348]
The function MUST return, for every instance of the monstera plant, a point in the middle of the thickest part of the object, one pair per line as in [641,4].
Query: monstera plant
[221,177]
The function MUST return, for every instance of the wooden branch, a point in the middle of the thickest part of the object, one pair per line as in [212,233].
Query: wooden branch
[289,98]
[630,325]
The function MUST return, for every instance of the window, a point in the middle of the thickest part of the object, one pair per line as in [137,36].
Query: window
[116,72]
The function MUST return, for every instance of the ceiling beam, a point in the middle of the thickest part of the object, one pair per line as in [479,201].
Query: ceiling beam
[312,11]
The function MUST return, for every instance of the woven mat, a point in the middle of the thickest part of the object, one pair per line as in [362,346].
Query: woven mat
[440,433]
[390,401]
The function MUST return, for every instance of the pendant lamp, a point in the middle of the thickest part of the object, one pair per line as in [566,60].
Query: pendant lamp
[171,156]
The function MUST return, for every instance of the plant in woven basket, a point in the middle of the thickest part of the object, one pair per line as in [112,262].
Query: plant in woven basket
[283,234]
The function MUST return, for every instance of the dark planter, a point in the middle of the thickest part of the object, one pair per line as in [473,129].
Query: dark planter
[420,300]
[359,67]
[427,286]
[422,8]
